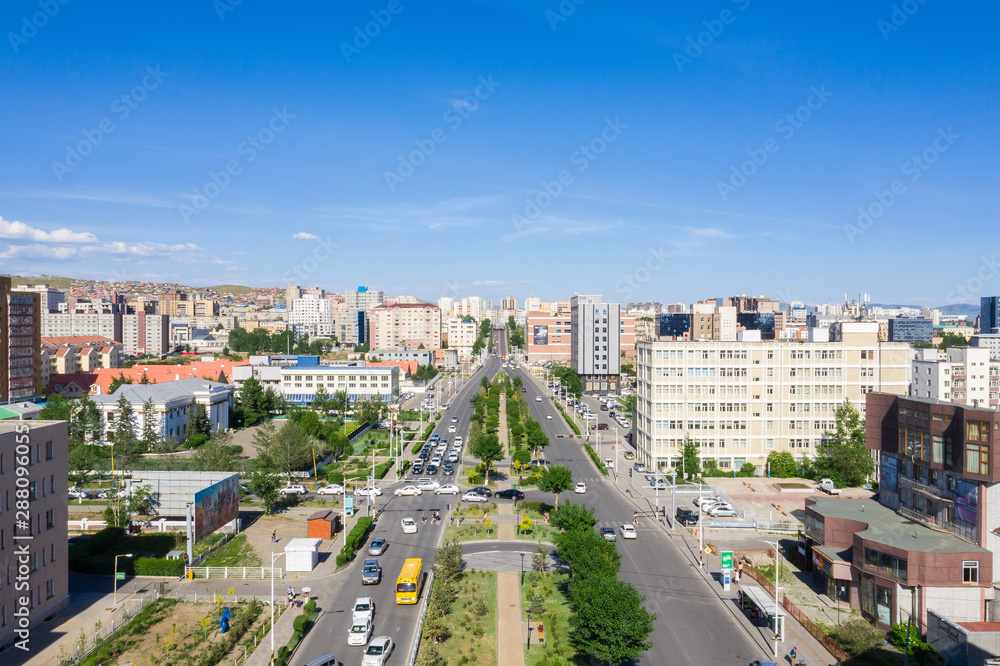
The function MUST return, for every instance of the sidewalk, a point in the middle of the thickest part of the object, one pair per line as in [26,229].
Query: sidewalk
[510,651]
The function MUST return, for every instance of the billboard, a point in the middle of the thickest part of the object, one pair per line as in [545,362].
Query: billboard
[967,501]
[215,506]
[889,474]
[541,335]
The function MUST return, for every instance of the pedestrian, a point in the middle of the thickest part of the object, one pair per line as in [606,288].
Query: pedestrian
[793,654]
[423,516]
[635,517]
[274,536]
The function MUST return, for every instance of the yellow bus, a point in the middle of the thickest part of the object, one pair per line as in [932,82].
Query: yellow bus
[409,581]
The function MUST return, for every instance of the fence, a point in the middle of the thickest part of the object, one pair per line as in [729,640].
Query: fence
[240,573]
[85,646]
[817,633]
[202,556]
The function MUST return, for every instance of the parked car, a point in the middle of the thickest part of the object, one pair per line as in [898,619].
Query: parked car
[407,490]
[409,525]
[706,498]
[580,488]
[378,651]
[377,546]
[628,532]
[639,467]
[77,493]
[510,493]
[364,609]
[360,633]
[599,426]
[473,497]
[331,489]
[721,509]
[686,517]
[483,490]
[826,485]
[608,533]
[371,573]
[293,489]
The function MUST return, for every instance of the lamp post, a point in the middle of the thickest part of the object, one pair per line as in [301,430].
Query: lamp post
[274,556]
[114,596]
[777,564]
[522,568]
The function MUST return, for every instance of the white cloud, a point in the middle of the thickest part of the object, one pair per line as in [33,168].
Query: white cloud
[711,232]
[305,236]
[39,252]
[21,231]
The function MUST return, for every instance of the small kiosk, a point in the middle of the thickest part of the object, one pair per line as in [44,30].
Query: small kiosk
[324,524]
[759,606]
[302,554]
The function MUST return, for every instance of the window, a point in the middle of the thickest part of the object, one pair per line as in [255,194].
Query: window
[977,458]
[977,431]
[50,519]
[970,571]
[49,451]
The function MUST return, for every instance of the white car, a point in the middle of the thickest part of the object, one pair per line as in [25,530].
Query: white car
[590,416]
[449,489]
[548,417]
[720,508]
[538,398]
[364,610]
[407,490]
[293,489]
[454,419]
[409,526]
[428,484]
[331,489]
[458,441]
[378,651]
[473,497]
[452,429]
[609,463]
[370,490]
[628,532]
[580,488]
[360,633]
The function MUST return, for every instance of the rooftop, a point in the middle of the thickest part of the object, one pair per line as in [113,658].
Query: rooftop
[165,392]
[887,527]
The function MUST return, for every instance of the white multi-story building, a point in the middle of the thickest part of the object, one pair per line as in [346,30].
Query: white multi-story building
[447,305]
[406,325]
[596,340]
[49,298]
[965,375]
[316,314]
[740,400]
[470,306]
[59,325]
[462,334]
[363,299]
[990,341]
[299,384]
[172,405]
[146,333]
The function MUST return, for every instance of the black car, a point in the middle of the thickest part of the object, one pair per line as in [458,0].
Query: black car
[418,468]
[447,468]
[510,493]
[687,517]
[524,390]
[482,490]
[431,469]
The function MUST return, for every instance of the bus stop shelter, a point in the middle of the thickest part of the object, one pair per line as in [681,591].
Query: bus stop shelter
[759,605]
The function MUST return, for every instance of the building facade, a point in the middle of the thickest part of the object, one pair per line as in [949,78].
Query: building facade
[406,325]
[172,403]
[299,384]
[738,401]
[989,314]
[966,376]
[916,329]
[21,368]
[461,335]
[41,543]
[595,347]
[364,299]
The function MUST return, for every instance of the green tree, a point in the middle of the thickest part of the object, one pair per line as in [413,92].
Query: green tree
[120,510]
[537,439]
[781,465]
[218,454]
[341,403]
[952,340]
[81,460]
[57,408]
[251,396]
[144,379]
[488,449]
[920,344]
[485,382]
[628,369]
[151,431]
[198,421]
[265,486]
[85,425]
[691,463]
[369,409]
[609,621]
[843,456]
[556,480]
[321,399]
[572,517]
[117,382]
[588,554]
[263,436]
[290,450]
[522,457]
[628,404]
[748,470]
[122,433]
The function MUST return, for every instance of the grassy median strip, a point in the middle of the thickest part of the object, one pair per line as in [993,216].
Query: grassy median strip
[569,421]
[467,632]
[543,599]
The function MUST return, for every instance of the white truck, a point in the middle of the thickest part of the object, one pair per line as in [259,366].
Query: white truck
[826,485]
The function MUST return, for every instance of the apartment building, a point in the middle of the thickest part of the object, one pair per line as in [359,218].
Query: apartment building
[406,325]
[990,341]
[299,384]
[49,298]
[146,333]
[548,337]
[460,334]
[912,329]
[75,324]
[447,305]
[44,446]
[966,375]
[21,368]
[350,327]
[595,345]
[81,354]
[173,402]
[989,314]
[314,313]
[740,400]
[364,299]
[198,308]
[508,303]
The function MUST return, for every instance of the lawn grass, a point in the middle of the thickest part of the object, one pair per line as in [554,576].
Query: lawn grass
[474,636]
[236,553]
[470,532]
[551,587]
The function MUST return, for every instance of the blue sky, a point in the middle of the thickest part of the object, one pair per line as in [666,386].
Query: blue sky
[506,148]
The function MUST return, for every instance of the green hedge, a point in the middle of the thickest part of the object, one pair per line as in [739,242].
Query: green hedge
[566,417]
[155,566]
[382,468]
[354,539]
[597,461]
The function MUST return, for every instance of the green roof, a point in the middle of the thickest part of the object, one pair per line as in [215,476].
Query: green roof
[7,414]
[885,526]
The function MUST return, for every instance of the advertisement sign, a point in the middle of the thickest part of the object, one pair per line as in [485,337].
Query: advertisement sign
[726,559]
[349,504]
[215,506]
[887,480]
[541,335]
[967,501]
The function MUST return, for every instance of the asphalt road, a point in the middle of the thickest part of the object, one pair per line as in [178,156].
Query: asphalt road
[692,626]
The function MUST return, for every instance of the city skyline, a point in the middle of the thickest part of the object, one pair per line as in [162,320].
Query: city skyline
[663,155]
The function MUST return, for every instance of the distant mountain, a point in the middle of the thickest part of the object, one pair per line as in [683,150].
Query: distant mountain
[954,309]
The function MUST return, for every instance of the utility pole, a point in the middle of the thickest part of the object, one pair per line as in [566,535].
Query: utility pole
[777,564]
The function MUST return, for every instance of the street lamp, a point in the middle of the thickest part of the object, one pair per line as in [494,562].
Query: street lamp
[522,568]
[114,596]
[274,556]
[777,564]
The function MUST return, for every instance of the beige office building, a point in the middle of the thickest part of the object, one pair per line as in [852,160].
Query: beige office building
[740,400]
[406,325]
[41,545]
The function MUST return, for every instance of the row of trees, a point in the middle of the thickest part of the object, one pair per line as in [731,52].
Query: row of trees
[569,379]
[515,333]
[260,341]
[484,339]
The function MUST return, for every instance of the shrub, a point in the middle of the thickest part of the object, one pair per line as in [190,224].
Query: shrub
[299,624]
[156,566]
[344,559]
[597,461]
[857,636]
[310,607]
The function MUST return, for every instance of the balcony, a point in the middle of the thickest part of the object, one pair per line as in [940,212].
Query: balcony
[927,489]
[967,532]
